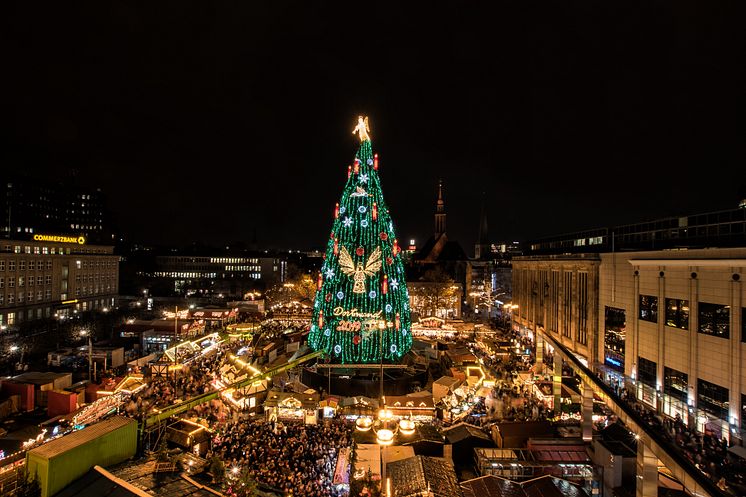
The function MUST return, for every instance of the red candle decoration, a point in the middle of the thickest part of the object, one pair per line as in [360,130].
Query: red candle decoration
[385,285]
[397,322]
[320,282]
[336,210]
[375,211]
[396,247]
[356,339]
[321,320]
[336,246]
[357,166]
[375,162]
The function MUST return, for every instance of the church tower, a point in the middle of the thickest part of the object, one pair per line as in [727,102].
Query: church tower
[440,212]
[482,247]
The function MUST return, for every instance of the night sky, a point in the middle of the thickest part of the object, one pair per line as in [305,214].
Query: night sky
[224,121]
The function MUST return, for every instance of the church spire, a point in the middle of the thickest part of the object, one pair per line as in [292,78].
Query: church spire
[482,247]
[440,212]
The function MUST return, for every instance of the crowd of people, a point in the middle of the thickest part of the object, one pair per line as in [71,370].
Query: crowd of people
[288,458]
[195,377]
[709,453]
[300,459]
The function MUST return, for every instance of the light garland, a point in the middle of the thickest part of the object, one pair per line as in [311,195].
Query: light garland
[362,286]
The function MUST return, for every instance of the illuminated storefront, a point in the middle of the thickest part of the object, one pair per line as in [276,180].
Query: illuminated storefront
[292,407]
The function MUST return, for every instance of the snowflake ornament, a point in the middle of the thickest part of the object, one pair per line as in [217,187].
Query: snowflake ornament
[388,308]
[347,222]
[340,295]
[393,283]
[372,294]
[329,273]
[363,178]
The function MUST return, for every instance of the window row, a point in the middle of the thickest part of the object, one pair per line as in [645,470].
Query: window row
[22,297]
[711,398]
[712,319]
[32,265]
[26,281]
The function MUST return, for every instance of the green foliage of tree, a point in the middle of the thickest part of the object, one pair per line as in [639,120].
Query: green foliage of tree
[217,469]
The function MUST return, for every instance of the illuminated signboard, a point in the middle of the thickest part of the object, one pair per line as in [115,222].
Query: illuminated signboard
[80,240]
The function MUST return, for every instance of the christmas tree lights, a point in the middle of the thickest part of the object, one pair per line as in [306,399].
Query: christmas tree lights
[361,310]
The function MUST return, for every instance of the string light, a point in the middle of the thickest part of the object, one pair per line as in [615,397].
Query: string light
[346,327]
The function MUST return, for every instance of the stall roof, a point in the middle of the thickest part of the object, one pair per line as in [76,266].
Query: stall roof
[39,377]
[447,381]
[544,486]
[407,402]
[462,431]
[77,438]
[308,401]
[412,475]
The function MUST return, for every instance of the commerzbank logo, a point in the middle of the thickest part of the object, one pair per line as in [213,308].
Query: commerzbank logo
[80,240]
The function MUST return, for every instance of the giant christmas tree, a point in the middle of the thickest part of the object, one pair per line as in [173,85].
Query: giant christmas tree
[361,310]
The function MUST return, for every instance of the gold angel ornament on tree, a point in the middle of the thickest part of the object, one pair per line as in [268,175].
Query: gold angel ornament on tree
[361,271]
[362,128]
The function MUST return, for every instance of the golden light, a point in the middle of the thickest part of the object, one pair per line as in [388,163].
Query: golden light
[384,436]
[385,415]
[363,423]
[406,426]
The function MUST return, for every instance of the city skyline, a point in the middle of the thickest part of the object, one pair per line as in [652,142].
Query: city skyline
[208,130]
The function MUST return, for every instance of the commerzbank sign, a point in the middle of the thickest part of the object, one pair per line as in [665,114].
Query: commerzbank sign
[80,240]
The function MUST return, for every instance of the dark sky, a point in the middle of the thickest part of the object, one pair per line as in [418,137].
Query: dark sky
[212,121]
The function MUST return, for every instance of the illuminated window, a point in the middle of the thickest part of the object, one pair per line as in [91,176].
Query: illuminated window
[649,308]
[712,398]
[714,319]
[677,313]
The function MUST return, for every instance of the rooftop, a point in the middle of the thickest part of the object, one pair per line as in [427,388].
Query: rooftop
[80,437]
[413,475]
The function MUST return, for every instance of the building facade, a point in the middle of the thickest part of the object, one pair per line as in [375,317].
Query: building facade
[55,276]
[230,275]
[32,206]
[667,324]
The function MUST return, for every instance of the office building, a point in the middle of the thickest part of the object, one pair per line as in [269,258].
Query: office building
[656,307]
[55,276]
[31,205]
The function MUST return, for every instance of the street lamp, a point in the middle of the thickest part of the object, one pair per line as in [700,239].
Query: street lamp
[381,326]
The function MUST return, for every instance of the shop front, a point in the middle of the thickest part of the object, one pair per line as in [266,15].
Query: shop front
[292,407]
